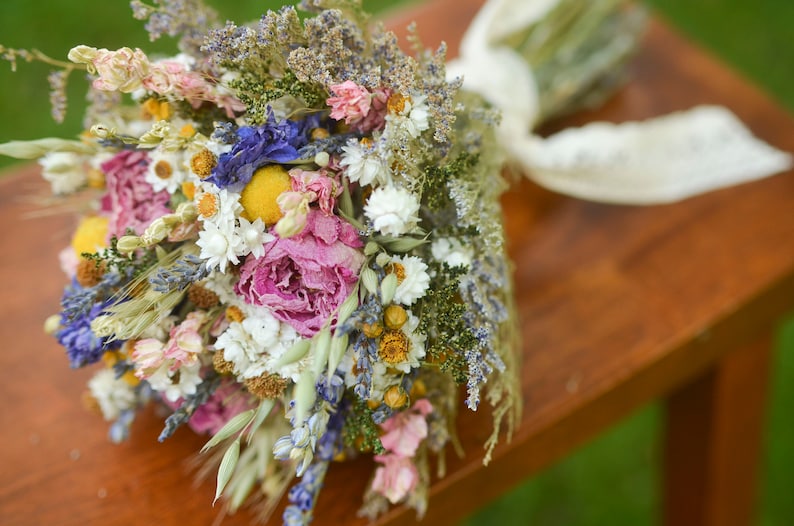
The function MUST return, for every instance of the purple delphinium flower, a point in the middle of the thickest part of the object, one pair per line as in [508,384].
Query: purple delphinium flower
[82,346]
[274,142]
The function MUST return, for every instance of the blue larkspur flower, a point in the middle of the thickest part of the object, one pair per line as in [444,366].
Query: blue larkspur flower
[272,143]
[82,346]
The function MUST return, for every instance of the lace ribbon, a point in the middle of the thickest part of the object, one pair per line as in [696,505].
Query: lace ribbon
[659,160]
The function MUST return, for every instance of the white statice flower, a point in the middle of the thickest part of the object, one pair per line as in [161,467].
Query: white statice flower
[413,279]
[113,395]
[366,166]
[254,236]
[254,345]
[64,171]
[413,118]
[393,211]
[451,251]
[177,384]
[219,245]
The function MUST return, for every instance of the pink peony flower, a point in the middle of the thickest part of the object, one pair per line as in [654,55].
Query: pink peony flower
[405,430]
[131,202]
[350,102]
[303,279]
[396,478]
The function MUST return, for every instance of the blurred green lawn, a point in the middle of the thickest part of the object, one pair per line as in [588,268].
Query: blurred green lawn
[614,479]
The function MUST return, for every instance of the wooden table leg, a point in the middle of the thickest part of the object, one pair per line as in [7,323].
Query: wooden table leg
[713,442]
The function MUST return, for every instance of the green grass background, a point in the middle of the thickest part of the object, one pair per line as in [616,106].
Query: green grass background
[613,480]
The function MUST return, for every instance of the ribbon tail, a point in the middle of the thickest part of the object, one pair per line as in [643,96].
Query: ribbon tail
[660,160]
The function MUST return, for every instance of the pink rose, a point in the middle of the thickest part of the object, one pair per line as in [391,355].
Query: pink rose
[130,200]
[303,279]
[396,478]
[350,102]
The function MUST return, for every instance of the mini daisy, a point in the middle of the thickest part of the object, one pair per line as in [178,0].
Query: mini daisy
[167,170]
[392,211]
[401,349]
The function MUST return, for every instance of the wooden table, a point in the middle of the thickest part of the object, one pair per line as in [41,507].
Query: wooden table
[619,306]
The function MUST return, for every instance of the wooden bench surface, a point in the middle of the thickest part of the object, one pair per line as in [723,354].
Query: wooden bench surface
[619,306]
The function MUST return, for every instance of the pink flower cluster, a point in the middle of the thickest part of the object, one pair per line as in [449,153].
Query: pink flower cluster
[130,201]
[303,279]
[127,70]
[226,402]
[170,76]
[183,347]
[398,475]
[359,108]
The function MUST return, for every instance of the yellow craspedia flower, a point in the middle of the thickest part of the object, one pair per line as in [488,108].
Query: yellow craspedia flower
[90,234]
[258,198]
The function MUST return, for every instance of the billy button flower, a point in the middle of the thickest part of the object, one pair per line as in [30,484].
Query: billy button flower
[259,197]
[90,235]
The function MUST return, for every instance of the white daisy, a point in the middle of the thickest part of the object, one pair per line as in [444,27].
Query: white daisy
[413,279]
[113,395]
[167,170]
[364,165]
[393,211]
[403,348]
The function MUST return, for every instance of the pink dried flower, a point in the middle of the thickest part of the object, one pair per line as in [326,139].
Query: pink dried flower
[228,400]
[121,70]
[130,201]
[350,102]
[185,343]
[376,118]
[321,187]
[303,279]
[396,478]
[405,430]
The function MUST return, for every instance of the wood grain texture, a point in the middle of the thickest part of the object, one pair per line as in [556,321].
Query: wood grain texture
[618,306]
